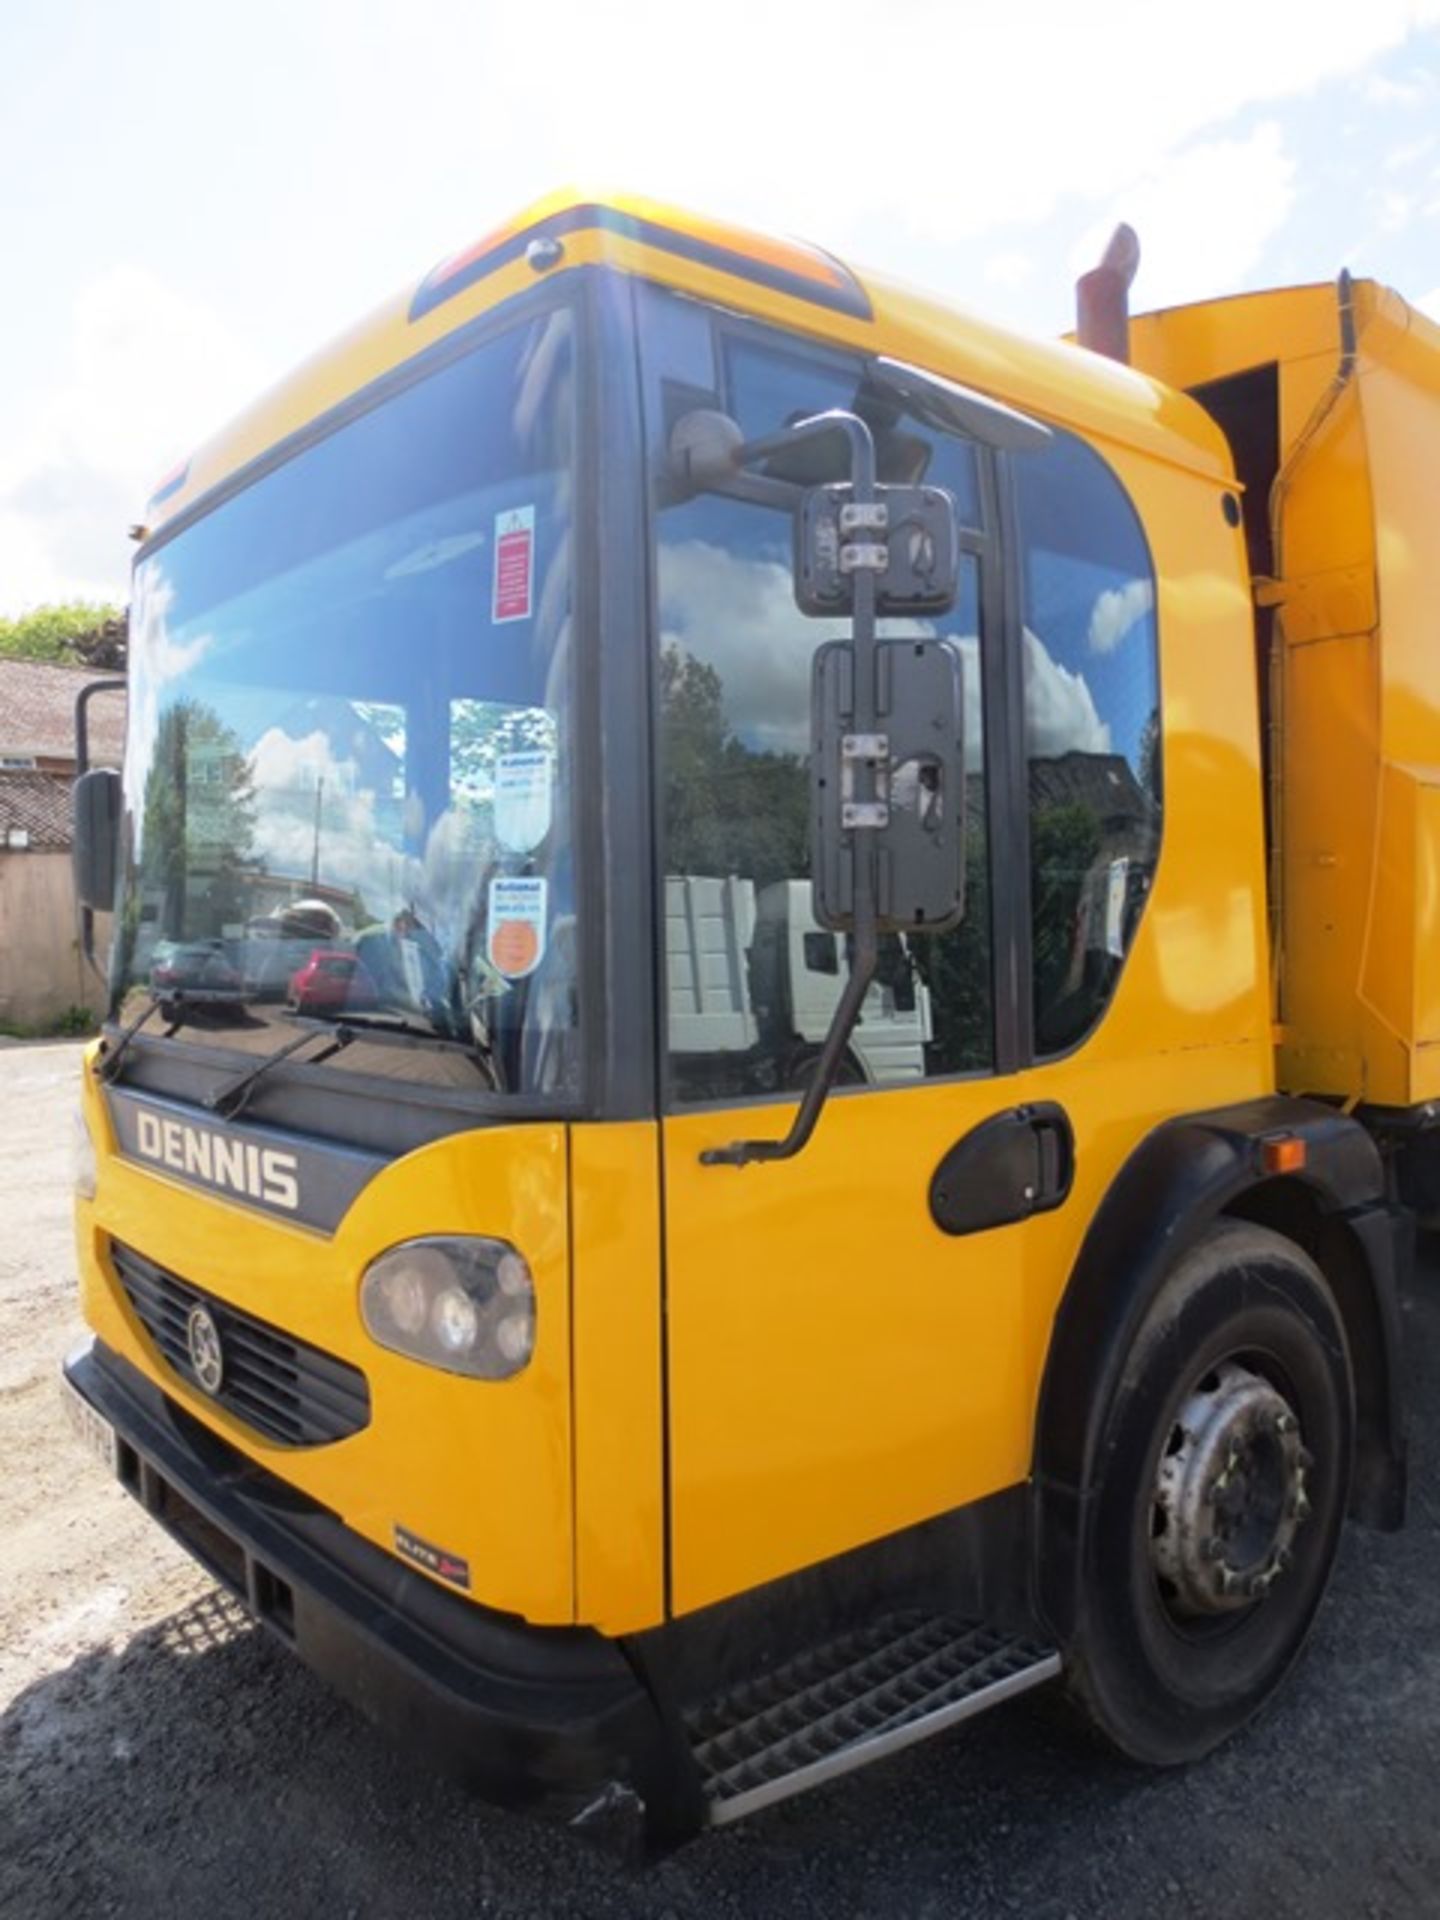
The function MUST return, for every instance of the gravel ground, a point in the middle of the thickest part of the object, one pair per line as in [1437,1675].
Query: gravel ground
[160,1756]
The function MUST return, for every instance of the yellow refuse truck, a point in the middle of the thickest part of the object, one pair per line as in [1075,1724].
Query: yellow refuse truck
[652,1430]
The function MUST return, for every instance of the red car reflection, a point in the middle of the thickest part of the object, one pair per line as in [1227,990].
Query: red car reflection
[332,982]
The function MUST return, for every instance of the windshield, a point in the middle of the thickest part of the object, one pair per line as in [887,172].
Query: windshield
[348,777]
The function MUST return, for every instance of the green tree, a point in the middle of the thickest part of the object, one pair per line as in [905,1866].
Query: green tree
[1065,843]
[65,631]
[728,808]
[199,822]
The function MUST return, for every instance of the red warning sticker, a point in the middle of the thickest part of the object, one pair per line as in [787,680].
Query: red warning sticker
[514,577]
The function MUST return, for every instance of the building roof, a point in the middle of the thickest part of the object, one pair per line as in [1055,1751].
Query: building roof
[37,713]
[39,805]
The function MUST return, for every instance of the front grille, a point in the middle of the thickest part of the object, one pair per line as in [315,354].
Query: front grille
[284,1388]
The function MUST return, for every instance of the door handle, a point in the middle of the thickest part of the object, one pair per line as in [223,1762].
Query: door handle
[1012,1165]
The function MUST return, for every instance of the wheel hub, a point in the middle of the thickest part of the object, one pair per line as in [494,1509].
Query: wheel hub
[1230,1493]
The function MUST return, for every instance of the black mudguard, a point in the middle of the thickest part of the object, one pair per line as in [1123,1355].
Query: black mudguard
[1168,1193]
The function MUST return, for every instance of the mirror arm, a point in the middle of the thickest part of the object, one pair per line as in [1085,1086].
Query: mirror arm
[865,956]
[82,766]
[842,1025]
[833,420]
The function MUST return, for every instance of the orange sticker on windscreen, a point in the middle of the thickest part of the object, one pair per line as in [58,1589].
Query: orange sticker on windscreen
[515,940]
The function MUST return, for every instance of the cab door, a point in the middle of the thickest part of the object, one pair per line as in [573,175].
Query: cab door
[838,1365]
[848,1347]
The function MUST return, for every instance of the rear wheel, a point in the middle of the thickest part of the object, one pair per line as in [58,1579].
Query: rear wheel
[1220,1491]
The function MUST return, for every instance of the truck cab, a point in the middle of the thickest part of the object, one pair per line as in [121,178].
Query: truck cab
[557,1341]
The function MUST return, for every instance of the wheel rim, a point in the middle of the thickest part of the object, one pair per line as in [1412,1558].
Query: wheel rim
[1229,1497]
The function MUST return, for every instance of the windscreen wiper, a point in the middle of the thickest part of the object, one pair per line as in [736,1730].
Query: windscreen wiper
[173,1007]
[382,1027]
[394,1030]
[232,1100]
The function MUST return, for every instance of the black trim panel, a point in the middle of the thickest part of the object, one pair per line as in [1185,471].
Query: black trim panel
[843,295]
[551,1718]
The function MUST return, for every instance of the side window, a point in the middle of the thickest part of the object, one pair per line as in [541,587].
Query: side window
[752,981]
[1092,738]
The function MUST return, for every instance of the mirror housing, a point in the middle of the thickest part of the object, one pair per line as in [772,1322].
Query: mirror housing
[95,805]
[913,812]
[911,531]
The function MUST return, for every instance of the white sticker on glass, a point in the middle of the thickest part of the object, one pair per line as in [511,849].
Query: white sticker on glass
[524,784]
[515,926]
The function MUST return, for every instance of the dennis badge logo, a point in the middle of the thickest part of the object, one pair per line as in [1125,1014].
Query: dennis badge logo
[207,1356]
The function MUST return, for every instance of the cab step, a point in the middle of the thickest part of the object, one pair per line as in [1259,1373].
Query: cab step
[853,1700]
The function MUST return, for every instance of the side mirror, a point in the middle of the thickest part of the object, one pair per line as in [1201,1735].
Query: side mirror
[911,771]
[95,803]
[906,536]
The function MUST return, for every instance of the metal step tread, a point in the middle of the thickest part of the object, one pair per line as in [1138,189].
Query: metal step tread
[851,1701]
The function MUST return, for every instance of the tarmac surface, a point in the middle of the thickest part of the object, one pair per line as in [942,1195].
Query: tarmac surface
[160,1756]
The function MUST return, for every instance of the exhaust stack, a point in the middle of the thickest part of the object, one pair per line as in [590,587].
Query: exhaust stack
[1102,297]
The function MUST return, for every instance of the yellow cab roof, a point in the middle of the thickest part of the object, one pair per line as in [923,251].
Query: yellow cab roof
[785,282]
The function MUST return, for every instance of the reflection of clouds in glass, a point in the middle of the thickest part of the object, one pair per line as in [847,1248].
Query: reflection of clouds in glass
[740,617]
[286,774]
[1060,714]
[1116,612]
[357,846]
[156,660]
[547,356]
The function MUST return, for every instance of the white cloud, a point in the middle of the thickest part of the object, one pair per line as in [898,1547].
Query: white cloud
[1052,100]
[739,616]
[148,372]
[1394,210]
[356,844]
[1430,303]
[1010,269]
[1116,611]
[1190,248]
[1406,156]
[1380,91]
[1060,714]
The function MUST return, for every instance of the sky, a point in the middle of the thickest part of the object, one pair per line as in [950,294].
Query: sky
[199,194]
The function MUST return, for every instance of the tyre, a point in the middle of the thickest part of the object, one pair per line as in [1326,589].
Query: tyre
[1218,1495]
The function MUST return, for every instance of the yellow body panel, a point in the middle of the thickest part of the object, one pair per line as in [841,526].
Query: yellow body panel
[1353,513]
[479,1468]
[619,1408]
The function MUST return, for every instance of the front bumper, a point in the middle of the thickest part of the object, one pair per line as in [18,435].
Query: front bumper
[555,1719]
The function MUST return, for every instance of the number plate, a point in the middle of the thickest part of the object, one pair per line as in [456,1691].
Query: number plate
[94,1431]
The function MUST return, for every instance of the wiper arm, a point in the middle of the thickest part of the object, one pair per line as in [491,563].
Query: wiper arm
[382,1027]
[231,1100]
[173,1007]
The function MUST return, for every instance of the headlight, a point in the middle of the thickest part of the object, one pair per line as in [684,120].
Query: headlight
[82,1157]
[467,1305]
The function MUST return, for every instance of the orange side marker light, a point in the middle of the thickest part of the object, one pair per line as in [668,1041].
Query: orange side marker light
[1283,1153]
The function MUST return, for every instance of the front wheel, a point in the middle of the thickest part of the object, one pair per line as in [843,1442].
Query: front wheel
[1220,1490]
